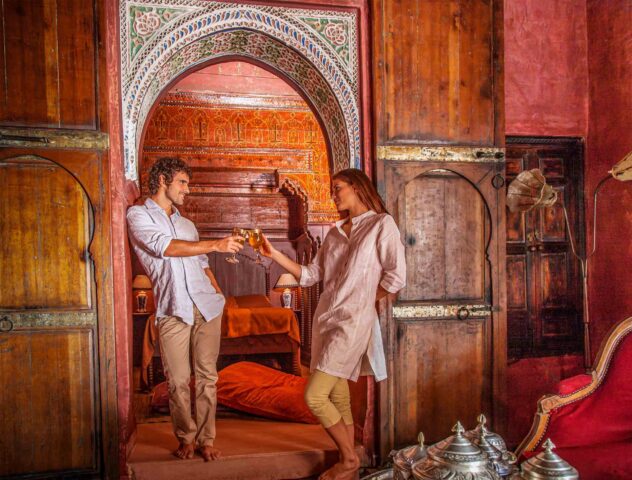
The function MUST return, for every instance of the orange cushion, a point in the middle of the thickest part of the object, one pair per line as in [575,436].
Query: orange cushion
[263,391]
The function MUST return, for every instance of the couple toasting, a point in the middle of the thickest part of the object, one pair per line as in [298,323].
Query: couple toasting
[360,262]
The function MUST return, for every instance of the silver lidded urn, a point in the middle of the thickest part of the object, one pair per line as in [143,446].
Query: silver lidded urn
[455,458]
[481,429]
[404,459]
[546,465]
[494,446]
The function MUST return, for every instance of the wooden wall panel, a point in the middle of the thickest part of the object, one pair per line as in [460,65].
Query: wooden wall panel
[45,233]
[47,375]
[50,65]
[445,363]
[437,71]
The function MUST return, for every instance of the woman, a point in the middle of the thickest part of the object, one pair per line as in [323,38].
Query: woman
[361,261]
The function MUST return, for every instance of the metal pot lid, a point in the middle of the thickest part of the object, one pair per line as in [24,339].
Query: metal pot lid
[457,450]
[405,457]
[548,465]
[493,438]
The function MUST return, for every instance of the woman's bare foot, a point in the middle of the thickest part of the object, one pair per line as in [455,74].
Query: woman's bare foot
[209,453]
[343,470]
[184,451]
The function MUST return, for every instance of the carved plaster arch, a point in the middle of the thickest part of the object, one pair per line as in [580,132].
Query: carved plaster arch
[315,49]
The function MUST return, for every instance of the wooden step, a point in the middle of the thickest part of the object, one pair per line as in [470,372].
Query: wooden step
[255,449]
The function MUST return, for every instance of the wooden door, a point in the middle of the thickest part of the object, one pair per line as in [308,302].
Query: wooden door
[48,375]
[544,288]
[444,348]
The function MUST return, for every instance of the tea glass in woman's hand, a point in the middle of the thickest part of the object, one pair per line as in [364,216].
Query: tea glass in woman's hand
[255,239]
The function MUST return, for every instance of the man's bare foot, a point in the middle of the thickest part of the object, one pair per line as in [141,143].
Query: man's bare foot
[343,470]
[184,451]
[209,453]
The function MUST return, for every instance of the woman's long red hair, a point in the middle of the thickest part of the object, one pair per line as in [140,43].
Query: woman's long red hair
[363,187]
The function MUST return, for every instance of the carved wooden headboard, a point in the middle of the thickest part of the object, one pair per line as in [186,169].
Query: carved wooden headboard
[244,278]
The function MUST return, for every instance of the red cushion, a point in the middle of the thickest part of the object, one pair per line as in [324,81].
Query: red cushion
[572,384]
[263,391]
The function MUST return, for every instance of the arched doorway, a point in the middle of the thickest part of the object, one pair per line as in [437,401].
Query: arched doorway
[322,48]
[259,158]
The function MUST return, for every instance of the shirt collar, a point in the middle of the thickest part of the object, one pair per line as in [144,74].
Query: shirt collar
[355,220]
[151,205]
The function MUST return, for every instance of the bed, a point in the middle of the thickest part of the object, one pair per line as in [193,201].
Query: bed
[252,330]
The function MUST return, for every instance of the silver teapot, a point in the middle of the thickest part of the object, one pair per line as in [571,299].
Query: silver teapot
[455,458]
[404,459]
[546,465]
[493,444]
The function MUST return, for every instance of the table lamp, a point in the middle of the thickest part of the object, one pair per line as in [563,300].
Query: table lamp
[285,282]
[529,191]
[140,285]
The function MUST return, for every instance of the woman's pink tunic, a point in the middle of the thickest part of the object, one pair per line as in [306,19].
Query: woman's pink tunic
[346,337]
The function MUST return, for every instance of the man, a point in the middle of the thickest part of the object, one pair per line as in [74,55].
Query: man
[189,303]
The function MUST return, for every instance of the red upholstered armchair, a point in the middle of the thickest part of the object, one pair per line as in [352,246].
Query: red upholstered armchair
[590,417]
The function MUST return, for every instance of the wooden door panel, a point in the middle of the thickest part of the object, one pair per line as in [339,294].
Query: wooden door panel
[48,376]
[421,220]
[47,410]
[552,227]
[441,364]
[44,227]
[444,223]
[50,80]
[443,88]
[554,282]
[517,282]
[436,360]
[551,322]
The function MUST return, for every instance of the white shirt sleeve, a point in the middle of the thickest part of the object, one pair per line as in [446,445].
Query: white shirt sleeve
[312,273]
[144,232]
[391,254]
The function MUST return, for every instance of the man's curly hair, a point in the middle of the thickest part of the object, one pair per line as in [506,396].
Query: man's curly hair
[168,167]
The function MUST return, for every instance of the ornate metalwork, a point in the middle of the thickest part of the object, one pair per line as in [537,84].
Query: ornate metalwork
[441,154]
[455,458]
[50,319]
[440,311]
[48,138]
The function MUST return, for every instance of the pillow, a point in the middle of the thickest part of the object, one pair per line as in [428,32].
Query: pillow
[248,301]
[263,391]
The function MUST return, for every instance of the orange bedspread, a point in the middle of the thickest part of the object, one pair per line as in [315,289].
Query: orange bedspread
[243,316]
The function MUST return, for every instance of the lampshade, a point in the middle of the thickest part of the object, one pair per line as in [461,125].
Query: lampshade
[141,282]
[529,190]
[286,280]
[623,169]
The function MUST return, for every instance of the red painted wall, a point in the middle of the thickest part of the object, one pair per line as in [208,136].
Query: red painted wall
[609,139]
[546,73]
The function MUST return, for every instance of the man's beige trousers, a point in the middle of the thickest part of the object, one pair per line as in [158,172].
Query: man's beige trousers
[177,341]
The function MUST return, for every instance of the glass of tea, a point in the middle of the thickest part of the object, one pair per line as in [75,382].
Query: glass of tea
[238,232]
[255,239]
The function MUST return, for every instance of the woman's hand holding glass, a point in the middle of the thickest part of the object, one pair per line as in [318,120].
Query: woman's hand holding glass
[266,248]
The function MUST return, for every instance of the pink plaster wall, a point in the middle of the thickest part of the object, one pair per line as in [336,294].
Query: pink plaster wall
[546,73]
[609,139]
